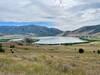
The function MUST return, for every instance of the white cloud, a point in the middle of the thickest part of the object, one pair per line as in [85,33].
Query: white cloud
[65,14]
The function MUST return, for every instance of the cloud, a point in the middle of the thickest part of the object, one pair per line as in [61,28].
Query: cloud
[64,14]
[89,1]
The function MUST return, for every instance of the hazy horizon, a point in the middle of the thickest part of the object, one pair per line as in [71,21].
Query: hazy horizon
[62,14]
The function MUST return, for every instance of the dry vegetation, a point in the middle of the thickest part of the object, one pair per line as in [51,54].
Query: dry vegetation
[50,60]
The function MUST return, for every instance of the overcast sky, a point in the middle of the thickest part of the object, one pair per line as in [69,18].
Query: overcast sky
[63,14]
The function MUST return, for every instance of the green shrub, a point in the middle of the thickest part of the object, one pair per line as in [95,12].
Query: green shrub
[98,51]
[1,49]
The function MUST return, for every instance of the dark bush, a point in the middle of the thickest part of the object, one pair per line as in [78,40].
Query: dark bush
[81,50]
[11,51]
[93,51]
[1,49]
[12,46]
[98,51]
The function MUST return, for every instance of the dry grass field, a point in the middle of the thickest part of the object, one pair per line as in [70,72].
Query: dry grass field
[51,60]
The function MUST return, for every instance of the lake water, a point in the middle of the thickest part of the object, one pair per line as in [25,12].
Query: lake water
[58,40]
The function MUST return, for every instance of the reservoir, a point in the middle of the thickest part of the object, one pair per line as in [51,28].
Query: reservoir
[59,40]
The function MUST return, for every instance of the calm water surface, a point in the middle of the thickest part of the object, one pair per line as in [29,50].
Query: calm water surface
[58,40]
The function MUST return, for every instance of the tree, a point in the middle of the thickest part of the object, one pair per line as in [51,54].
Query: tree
[29,40]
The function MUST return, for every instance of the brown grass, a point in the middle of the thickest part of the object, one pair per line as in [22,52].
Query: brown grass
[50,60]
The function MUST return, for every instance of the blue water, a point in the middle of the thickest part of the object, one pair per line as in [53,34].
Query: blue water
[58,40]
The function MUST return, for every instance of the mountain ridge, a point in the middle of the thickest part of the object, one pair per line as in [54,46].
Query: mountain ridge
[84,31]
[37,30]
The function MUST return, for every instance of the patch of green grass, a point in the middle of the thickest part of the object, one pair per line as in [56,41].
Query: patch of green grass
[4,40]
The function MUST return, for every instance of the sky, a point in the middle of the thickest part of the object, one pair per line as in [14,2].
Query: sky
[61,14]
[47,24]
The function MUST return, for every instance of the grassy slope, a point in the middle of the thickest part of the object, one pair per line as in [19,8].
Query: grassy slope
[51,60]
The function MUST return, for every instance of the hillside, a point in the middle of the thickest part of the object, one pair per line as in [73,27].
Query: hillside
[87,30]
[37,30]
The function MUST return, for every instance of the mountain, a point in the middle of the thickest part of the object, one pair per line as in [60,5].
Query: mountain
[33,29]
[87,30]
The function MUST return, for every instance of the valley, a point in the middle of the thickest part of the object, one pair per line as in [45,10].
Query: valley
[20,55]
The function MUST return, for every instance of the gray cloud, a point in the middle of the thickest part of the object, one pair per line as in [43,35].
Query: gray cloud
[69,15]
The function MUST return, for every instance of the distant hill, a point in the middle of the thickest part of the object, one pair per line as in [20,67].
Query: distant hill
[33,29]
[87,30]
